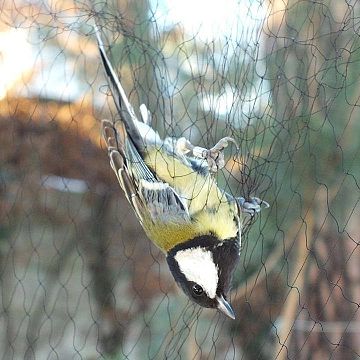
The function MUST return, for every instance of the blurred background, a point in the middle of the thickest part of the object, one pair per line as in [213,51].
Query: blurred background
[78,278]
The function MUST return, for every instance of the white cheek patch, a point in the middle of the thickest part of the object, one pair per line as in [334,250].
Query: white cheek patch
[197,265]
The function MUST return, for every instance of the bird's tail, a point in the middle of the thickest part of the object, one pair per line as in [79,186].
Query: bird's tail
[140,133]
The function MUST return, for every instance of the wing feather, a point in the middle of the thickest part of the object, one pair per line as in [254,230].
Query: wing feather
[149,197]
[127,140]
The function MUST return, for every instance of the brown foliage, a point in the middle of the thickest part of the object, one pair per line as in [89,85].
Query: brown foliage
[60,138]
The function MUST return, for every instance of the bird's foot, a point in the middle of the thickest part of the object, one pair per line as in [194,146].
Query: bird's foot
[214,156]
[252,206]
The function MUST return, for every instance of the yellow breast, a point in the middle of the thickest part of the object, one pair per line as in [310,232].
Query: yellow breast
[209,210]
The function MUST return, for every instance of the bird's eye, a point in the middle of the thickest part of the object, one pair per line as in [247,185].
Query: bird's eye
[197,290]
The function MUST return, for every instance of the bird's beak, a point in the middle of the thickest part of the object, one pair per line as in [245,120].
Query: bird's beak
[225,307]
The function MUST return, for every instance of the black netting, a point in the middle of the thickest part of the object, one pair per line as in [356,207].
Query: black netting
[78,277]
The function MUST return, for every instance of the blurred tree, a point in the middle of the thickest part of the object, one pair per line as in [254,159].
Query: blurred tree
[312,63]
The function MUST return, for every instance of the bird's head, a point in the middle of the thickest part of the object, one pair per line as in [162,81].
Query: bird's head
[203,268]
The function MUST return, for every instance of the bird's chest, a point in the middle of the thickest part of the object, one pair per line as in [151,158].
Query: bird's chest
[221,223]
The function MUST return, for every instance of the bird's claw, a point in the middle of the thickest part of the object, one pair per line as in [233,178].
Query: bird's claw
[252,206]
[214,156]
[223,143]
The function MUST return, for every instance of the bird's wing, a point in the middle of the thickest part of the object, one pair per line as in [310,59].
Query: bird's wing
[149,196]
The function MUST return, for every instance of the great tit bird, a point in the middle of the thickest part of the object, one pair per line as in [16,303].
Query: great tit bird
[171,187]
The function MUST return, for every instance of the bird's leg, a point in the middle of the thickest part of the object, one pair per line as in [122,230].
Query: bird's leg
[214,156]
[251,206]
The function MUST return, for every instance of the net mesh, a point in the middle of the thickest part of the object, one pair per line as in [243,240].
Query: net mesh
[78,277]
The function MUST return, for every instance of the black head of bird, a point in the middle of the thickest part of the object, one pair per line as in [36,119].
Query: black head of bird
[203,268]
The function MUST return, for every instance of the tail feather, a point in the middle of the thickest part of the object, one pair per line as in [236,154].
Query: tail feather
[122,103]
